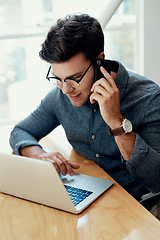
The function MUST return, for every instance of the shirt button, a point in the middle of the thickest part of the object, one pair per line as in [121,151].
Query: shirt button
[93,136]
[97,155]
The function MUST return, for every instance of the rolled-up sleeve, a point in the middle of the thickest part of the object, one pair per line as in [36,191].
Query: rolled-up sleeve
[38,124]
[145,165]
[145,160]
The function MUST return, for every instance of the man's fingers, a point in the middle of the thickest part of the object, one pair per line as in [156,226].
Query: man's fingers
[64,165]
[74,165]
[53,163]
[60,163]
[95,97]
[108,77]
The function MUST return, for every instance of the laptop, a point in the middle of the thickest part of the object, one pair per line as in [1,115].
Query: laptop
[38,181]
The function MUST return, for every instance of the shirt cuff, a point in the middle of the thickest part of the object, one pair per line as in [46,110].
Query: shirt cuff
[24,144]
[140,151]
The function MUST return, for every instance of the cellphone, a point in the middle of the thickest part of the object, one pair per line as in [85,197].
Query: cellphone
[97,72]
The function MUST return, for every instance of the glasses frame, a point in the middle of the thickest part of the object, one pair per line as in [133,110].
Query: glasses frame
[67,79]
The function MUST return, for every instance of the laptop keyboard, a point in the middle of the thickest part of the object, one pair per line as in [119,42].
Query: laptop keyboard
[77,195]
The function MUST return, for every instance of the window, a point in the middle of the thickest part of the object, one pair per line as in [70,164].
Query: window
[120,35]
[23,27]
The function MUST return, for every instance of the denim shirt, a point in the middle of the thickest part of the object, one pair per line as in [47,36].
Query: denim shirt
[88,133]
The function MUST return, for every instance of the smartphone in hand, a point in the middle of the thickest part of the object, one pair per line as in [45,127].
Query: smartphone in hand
[97,72]
[108,66]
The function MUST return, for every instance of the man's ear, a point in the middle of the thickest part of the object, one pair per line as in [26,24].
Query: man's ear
[101,56]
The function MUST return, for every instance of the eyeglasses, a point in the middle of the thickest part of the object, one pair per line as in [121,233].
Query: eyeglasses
[73,82]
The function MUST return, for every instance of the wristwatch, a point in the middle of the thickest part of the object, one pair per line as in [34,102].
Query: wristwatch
[126,127]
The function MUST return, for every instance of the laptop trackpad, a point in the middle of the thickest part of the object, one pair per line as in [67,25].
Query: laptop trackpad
[67,179]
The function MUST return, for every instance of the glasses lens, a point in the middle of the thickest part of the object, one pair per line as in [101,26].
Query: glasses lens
[72,83]
[60,83]
[54,81]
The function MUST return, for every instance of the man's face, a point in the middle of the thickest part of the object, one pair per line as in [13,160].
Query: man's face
[75,66]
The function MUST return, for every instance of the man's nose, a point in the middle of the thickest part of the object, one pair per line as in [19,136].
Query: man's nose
[66,88]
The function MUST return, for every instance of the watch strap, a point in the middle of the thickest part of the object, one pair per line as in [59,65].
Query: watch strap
[126,127]
[116,131]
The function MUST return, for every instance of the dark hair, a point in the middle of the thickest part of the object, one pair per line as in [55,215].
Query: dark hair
[72,35]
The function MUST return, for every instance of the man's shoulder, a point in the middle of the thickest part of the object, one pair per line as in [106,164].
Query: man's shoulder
[143,83]
[55,94]
[55,99]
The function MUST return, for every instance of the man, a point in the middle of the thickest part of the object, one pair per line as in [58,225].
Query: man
[114,121]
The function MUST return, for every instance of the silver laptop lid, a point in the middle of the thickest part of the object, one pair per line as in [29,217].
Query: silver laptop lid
[38,181]
[34,180]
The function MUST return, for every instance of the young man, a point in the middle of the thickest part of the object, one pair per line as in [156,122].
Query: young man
[114,121]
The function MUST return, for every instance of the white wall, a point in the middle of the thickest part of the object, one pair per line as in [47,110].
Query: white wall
[148,39]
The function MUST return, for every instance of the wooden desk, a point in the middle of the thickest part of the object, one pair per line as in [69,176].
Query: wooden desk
[114,216]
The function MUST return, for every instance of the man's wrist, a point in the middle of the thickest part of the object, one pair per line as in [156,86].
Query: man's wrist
[124,128]
[116,123]
[32,151]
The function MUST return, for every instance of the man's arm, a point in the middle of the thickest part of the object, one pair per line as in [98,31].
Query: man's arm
[59,162]
[106,94]
[125,144]
[26,135]
[23,143]
[142,157]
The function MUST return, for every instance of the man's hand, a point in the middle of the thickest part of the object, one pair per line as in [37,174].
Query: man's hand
[61,164]
[106,93]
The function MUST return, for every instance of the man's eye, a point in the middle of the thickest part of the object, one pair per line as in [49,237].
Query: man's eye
[76,77]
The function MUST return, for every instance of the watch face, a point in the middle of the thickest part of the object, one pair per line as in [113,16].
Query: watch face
[127,126]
